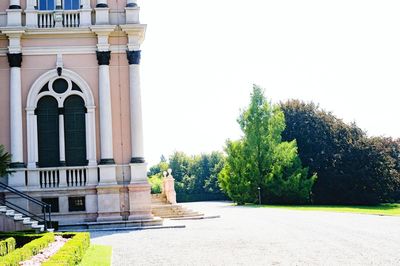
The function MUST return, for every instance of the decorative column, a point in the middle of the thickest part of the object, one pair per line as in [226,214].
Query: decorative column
[15,61]
[135,107]
[108,196]
[102,12]
[106,137]
[14,14]
[139,188]
[16,137]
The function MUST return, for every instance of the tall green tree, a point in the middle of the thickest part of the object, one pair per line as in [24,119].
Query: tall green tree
[5,159]
[352,168]
[261,160]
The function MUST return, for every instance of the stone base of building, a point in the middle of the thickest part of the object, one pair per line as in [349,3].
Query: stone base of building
[140,201]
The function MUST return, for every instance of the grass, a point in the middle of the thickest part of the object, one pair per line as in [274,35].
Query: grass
[97,255]
[382,209]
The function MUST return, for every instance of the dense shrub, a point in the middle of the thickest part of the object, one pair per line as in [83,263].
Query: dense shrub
[352,168]
[21,237]
[7,246]
[72,252]
[27,251]
[156,183]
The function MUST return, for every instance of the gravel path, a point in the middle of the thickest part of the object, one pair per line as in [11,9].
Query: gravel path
[251,236]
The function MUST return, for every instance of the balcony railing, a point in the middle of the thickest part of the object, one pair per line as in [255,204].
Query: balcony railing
[58,18]
[55,177]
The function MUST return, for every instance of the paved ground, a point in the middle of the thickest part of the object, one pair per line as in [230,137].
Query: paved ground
[251,236]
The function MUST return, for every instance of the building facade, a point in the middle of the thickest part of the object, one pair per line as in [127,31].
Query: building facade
[70,107]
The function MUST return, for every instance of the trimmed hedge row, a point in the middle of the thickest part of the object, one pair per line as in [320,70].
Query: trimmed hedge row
[27,251]
[7,246]
[72,252]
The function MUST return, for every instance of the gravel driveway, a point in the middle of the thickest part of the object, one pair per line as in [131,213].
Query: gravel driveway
[252,236]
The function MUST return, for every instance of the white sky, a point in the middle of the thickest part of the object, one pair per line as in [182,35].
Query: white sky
[200,59]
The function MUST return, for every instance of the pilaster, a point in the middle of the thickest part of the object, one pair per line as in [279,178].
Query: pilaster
[15,60]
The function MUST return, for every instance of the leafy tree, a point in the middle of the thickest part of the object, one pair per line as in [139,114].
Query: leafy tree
[5,159]
[193,174]
[261,160]
[352,168]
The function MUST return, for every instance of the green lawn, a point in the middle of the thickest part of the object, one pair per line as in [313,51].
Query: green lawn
[97,255]
[382,209]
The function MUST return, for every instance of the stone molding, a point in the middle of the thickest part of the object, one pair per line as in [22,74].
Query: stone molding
[101,5]
[103,58]
[14,7]
[138,160]
[134,57]
[14,60]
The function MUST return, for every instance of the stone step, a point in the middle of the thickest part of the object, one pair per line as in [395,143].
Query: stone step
[3,208]
[18,217]
[10,212]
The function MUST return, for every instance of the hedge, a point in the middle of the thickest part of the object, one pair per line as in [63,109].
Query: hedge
[7,246]
[72,252]
[27,251]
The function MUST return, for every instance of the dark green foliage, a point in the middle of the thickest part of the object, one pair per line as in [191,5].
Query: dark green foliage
[72,252]
[260,160]
[352,168]
[195,176]
[5,159]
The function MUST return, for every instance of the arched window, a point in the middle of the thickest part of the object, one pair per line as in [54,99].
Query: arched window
[71,4]
[75,131]
[48,132]
[46,4]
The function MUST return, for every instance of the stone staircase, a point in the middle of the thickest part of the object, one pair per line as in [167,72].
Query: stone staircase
[14,221]
[161,208]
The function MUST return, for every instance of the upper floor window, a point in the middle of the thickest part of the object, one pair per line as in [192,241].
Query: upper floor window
[66,4]
[71,4]
[47,4]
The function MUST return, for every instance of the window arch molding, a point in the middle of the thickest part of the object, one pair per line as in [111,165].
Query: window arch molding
[35,94]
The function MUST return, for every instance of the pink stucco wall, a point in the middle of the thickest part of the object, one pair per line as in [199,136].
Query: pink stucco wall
[4,5]
[84,65]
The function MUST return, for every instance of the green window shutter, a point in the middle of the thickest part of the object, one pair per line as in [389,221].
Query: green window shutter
[48,132]
[75,131]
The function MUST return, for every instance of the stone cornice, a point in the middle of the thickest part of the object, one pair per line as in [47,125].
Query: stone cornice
[103,32]
[136,34]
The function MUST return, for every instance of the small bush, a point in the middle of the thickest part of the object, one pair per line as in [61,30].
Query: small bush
[27,251]
[156,183]
[72,252]
[7,246]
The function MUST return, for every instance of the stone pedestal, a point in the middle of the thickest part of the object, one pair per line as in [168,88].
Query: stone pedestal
[169,189]
[102,16]
[140,201]
[107,175]
[108,203]
[16,179]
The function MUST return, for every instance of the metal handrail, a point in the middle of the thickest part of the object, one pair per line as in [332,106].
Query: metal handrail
[46,208]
